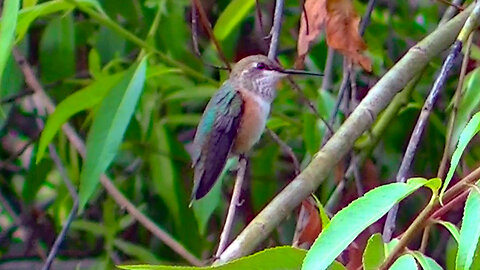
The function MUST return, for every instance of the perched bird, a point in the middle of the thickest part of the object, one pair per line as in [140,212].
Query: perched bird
[234,118]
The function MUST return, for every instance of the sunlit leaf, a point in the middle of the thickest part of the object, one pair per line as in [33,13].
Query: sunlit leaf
[469,232]
[80,100]
[108,127]
[374,253]
[362,212]
[7,31]
[467,134]
[231,17]
[404,262]
[280,258]
[426,262]
[451,228]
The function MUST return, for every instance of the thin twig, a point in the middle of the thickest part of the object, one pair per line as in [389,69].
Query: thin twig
[287,149]
[58,241]
[417,133]
[327,73]
[275,31]
[366,17]
[450,12]
[457,98]
[308,102]
[17,96]
[208,27]
[234,202]
[9,210]
[79,145]
[259,16]
[470,24]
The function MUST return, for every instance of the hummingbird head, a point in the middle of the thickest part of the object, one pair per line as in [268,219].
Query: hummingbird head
[259,74]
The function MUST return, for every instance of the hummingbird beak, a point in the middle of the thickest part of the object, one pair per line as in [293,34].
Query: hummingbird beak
[299,72]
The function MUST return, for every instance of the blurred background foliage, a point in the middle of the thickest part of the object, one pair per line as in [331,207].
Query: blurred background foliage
[72,50]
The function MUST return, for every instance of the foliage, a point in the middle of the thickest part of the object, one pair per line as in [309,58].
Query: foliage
[126,79]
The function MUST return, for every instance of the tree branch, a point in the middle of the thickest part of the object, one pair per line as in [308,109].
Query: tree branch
[275,31]
[342,141]
[234,202]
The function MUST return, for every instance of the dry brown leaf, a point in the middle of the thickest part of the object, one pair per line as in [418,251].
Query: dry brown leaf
[310,225]
[341,23]
[342,32]
[308,33]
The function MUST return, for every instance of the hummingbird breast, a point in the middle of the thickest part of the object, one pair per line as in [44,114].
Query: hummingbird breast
[252,123]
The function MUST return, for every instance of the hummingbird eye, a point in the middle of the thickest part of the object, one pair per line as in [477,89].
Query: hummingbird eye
[261,66]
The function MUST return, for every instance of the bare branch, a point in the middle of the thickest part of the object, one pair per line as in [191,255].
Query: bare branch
[234,202]
[276,28]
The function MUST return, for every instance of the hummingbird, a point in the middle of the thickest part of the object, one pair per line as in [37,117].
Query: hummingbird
[235,118]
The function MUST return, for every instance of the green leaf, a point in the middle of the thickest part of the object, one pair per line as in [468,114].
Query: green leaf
[108,127]
[183,119]
[362,212]
[469,232]
[231,17]
[468,132]
[279,258]
[404,262]
[451,228]
[136,251]
[36,176]
[29,3]
[323,214]
[426,262]
[80,100]
[94,228]
[203,208]
[195,93]
[311,135]
[336,266]
[57,49]
[7,31]
[374,253]
[28,15]
[468,105]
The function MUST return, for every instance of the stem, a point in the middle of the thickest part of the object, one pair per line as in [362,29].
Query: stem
[275,31]
[58,241]
[237,190]
[208,27]
[342,141]
[418,131]
[287,149]
[451,122]
[327,73]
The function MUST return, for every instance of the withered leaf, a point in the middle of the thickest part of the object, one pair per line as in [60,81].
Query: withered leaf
[341,22]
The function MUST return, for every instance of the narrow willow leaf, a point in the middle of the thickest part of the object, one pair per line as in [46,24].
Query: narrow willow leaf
[108,127]
[426,262]
[468,132]
[468,105]
[137,251]
[231,17]
[404,262]
[57,49]
[374,253]
[203,208]
[7,31]
[279,258]
[451,228]
[469,232]
[80,100]
[362,212]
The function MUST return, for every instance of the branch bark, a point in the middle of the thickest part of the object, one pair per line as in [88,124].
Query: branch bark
[342,141]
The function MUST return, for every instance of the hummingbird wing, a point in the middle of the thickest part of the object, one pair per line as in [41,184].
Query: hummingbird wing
[214,137]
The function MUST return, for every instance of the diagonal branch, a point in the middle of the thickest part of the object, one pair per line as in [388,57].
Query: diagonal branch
[275,31]
[342,141]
